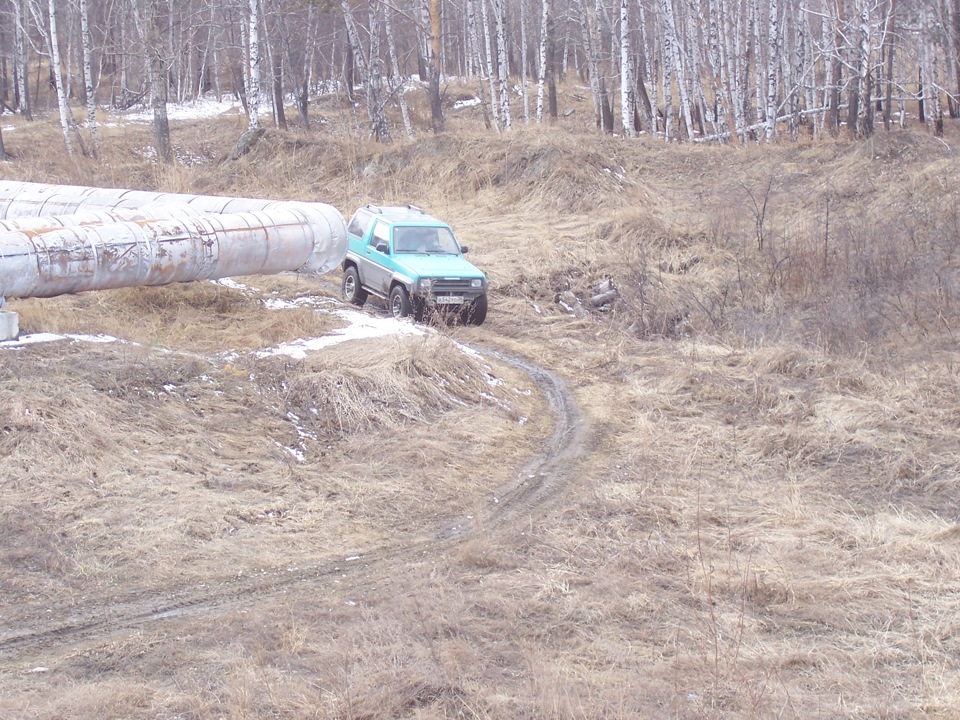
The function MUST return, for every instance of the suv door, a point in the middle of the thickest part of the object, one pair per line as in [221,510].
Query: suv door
[377,266]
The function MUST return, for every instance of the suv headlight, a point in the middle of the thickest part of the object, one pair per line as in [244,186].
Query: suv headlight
[425,284]
[477,283]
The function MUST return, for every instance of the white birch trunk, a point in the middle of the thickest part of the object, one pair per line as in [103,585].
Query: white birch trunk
[931,83]
[775,50]
[695,58]
[523,62]
[474,36]
[759,85]
[375,100]
[145,18]
[253,64]
[494,104]
[20,72]
[588,27]
[676,58]
[503,64]
[397,82]
[88,86]
[864,111]
[53,45]
[627,81]
[542,67]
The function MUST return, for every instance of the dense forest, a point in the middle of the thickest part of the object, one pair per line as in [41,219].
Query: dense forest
[697,70]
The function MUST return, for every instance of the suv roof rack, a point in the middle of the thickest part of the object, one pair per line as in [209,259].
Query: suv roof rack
[381,209]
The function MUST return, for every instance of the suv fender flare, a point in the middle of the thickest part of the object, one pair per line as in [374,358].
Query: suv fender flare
[398,279]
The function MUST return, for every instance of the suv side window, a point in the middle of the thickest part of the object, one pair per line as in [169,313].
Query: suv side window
[381,233]
[360,223]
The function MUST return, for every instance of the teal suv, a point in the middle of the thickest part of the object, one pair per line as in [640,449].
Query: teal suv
[414,262]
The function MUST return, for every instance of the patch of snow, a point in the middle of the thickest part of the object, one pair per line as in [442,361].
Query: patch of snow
[231,283]
[281,304]
[202,108]
[460,104]
[296,452]
[360,326]
[51,337]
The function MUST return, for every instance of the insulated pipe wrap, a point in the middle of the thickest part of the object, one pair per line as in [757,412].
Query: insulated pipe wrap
[128,238]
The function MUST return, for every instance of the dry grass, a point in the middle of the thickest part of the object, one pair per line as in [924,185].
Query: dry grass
[765,521]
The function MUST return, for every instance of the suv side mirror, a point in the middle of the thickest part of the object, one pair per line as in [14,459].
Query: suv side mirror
[382,247]
[464,249]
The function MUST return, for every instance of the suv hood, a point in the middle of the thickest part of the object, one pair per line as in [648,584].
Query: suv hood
[438,265]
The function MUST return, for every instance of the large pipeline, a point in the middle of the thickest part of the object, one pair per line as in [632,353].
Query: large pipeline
[170,238]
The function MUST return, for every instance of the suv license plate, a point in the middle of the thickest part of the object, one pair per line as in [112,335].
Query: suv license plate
[449,299]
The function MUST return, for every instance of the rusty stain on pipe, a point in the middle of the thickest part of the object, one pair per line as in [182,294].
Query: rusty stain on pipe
[127,238]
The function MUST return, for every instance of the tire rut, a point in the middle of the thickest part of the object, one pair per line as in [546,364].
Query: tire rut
[540,480]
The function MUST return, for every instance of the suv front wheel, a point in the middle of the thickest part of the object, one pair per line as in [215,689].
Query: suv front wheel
[399,302]
[475,312]
[352,292]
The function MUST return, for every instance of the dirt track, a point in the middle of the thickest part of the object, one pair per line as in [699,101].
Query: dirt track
[536,484]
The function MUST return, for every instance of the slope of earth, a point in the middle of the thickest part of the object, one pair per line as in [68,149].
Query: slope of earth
[729,492]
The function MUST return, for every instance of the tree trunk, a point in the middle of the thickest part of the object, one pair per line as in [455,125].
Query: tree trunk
[436,109]
[370,72]
[888,35]
[89,89]
[147,17]
[396,80]
[628,103]
[494,103]
[523,61]
[478,51]
[253,64]
[775,49]
[503,62]
[672,40]
[53,45]
[833,114]
[20,65]
[542,58]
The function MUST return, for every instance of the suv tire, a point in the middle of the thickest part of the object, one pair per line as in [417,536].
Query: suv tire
[476,312]
[399,302]
[352,291]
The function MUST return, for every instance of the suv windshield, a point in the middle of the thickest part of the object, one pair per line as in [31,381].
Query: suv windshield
[421,239]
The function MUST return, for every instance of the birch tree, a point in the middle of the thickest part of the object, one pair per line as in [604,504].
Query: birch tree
[675,57]
[627,82]
[88,85]
[369,69]
[396,78]
[774,49]
[436,66]
[149,31]
[523,61]
[253,65]
[52,39]
[503,64]
[20,59]
[542,58]
[494,103]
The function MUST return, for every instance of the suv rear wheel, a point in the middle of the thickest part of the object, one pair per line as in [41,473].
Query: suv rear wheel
[352,292]
[399,302]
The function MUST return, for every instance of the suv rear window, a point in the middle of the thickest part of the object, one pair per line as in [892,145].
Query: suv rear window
[360,223]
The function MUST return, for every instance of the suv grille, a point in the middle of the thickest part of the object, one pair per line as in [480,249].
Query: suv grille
[450,285]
